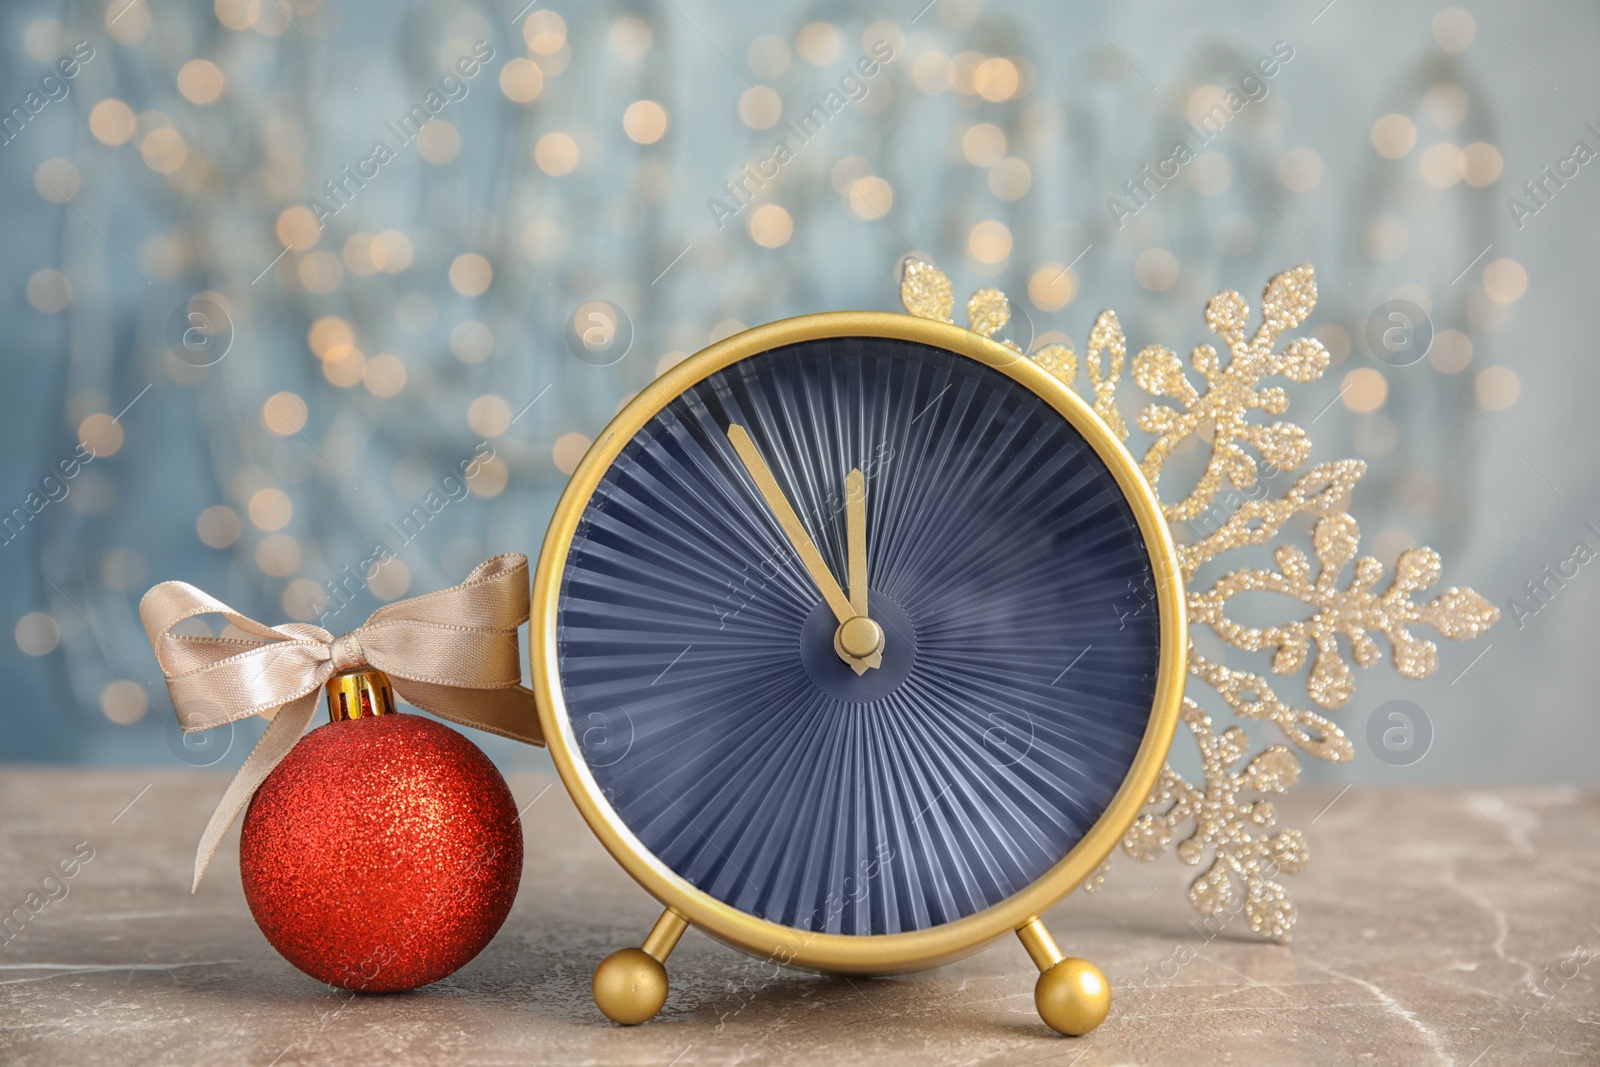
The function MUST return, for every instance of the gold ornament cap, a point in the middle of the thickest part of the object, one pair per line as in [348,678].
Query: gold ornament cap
[359,693]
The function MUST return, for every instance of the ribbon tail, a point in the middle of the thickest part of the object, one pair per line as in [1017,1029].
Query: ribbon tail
[284,733]
[509,712]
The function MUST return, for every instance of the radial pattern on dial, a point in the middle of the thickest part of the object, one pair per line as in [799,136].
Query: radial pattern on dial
[1020,658]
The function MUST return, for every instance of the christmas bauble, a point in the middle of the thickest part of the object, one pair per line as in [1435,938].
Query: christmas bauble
[382,854]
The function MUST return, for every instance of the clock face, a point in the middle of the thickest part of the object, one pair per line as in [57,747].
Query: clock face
[700,662]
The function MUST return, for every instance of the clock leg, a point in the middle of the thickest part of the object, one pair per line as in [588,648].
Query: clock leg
[1072,995]
[630,985]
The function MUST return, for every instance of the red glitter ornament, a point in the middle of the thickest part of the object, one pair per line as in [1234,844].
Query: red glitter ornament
[384,851]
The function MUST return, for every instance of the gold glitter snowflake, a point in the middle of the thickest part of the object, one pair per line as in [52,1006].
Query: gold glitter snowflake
[1228,818]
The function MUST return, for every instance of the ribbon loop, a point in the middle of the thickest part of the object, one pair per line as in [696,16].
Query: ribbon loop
[453,652]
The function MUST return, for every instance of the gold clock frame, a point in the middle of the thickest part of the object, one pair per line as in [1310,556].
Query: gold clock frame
[630,985]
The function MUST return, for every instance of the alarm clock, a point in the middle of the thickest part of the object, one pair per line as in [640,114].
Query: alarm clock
[858,639]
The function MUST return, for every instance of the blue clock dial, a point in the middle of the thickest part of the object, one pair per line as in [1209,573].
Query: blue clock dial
[1020,645]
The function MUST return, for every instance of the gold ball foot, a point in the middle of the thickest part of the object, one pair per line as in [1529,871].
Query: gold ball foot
[630,986]
[1073,997]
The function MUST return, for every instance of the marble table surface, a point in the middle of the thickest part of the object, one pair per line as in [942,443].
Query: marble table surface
[1436,927]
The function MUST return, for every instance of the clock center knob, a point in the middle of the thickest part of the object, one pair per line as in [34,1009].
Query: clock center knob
[860,637]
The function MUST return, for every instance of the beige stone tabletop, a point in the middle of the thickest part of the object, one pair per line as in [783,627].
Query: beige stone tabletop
[1435,927]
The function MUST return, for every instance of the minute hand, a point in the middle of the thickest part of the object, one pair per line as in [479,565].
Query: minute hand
[855,495]
[790,521]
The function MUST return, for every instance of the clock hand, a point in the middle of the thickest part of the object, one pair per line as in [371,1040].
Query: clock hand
[859,640]
[855,515]
[792,527]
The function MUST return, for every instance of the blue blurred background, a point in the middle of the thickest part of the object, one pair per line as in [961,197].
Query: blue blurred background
[272,339]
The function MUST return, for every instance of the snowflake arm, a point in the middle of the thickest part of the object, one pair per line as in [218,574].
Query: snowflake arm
[1233,390]
[1250,696]
[926,291]
[1324,488]
[1227,819]
[1355,611]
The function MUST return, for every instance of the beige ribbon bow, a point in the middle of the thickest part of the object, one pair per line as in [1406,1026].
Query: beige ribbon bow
[453,652]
